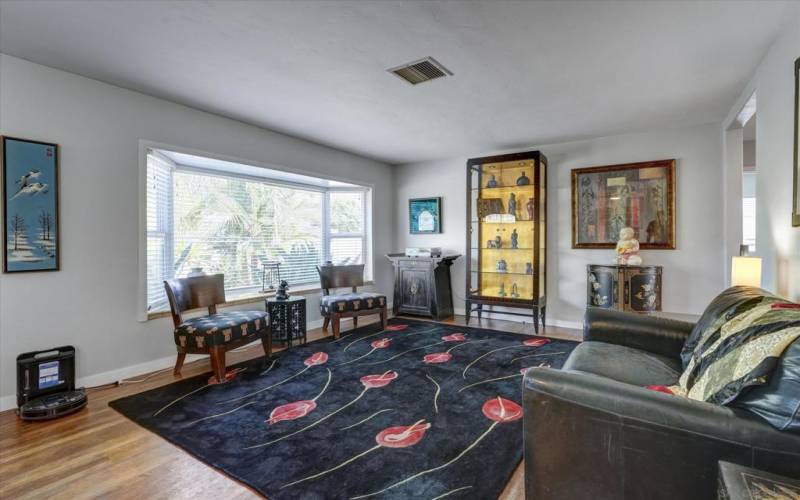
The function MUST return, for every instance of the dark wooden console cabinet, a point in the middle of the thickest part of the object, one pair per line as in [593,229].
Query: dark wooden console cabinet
[422,285]
[625,288]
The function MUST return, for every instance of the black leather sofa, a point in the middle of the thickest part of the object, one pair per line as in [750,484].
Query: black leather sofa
[594,431]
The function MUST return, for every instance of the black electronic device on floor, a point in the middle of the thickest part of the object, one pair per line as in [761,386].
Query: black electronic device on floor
[46,384]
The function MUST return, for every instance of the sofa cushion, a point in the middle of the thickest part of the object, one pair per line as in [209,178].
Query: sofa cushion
[624,364]
[219,329]
[329,304]
[778,401]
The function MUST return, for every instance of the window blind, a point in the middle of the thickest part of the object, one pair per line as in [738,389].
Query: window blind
[232,224]
[347,238]
[159,224]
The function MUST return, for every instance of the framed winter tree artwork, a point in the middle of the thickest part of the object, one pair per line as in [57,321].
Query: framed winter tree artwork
[30,205]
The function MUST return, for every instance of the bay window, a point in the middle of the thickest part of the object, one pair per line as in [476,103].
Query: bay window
[216,217]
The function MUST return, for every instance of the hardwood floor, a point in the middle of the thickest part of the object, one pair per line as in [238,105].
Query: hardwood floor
[98,453]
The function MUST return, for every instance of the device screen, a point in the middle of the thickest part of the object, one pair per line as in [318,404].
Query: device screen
[49,374]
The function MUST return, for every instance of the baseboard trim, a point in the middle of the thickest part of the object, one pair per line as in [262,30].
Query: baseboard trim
[574,325]
[9,402]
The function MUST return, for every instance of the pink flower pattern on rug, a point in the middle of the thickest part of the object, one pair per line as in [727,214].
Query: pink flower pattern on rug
[437,357]
[292,411]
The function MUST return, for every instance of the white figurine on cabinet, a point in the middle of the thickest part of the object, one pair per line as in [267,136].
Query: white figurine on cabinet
[628,248]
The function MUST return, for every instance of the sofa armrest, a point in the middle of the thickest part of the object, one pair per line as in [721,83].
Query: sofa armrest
[592,437]
[650,333]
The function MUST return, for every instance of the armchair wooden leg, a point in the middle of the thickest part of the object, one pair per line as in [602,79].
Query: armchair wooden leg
[218,362]
[335,322]
[179,363]
[325,324]
[384,318]
[355,322]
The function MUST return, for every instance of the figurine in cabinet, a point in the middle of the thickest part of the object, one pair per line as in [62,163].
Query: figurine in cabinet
[514,239]
[523,180]
[501,266]
[528,268]
[512,204]
[530,206]
[492,183]
[502,291]
[514,291]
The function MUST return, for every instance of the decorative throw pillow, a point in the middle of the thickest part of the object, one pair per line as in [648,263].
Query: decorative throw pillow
[732,355]
[725,306]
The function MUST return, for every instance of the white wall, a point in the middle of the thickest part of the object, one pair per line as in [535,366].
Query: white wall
[749,154]
[693,274]
[92,302]
[777,242]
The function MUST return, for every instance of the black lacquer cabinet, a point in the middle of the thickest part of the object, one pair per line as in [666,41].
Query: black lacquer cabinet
[422,285]
[625,288]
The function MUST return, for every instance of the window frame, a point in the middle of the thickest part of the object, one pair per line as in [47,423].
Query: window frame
[328,236]
[147,148]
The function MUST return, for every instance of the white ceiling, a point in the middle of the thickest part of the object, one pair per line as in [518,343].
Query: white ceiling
[525,73]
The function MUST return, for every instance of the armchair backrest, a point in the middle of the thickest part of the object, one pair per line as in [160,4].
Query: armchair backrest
[331,276]
[194,292]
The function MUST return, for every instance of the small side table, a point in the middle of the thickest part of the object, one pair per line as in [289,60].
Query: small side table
[737,482]
[287,319]
[624,288]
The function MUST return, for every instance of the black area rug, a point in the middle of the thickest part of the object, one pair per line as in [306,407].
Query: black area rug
[420,410]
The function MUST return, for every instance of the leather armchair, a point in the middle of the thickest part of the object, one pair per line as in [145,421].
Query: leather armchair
[650,333]
[589,435]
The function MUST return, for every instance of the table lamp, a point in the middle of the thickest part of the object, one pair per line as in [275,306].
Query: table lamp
[746,271]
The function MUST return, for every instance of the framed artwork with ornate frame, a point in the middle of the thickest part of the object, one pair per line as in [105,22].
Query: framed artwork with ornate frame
[30,206]
[609,198]
[796,182]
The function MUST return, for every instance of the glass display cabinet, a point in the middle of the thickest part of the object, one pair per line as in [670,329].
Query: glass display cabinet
[507,237]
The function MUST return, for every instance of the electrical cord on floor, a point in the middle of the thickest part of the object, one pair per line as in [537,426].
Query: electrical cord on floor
[101,386]
[124,381]
[143,379]
[148,376]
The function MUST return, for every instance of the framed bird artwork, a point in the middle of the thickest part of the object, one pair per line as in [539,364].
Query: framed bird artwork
[30,205]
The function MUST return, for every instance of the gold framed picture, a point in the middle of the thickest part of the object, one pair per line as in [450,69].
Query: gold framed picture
[609,198]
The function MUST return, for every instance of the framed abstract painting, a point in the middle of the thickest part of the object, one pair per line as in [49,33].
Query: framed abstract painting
[425,215]
[796,181]
[30,206]
[638,195]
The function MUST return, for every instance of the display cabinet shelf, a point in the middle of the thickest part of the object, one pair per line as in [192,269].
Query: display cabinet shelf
[499,187]
[488,190]
[507,273]
[503,249]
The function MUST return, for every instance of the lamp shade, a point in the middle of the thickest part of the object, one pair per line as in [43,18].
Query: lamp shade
[746,271]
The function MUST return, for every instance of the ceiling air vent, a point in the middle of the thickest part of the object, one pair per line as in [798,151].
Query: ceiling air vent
[421,71]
